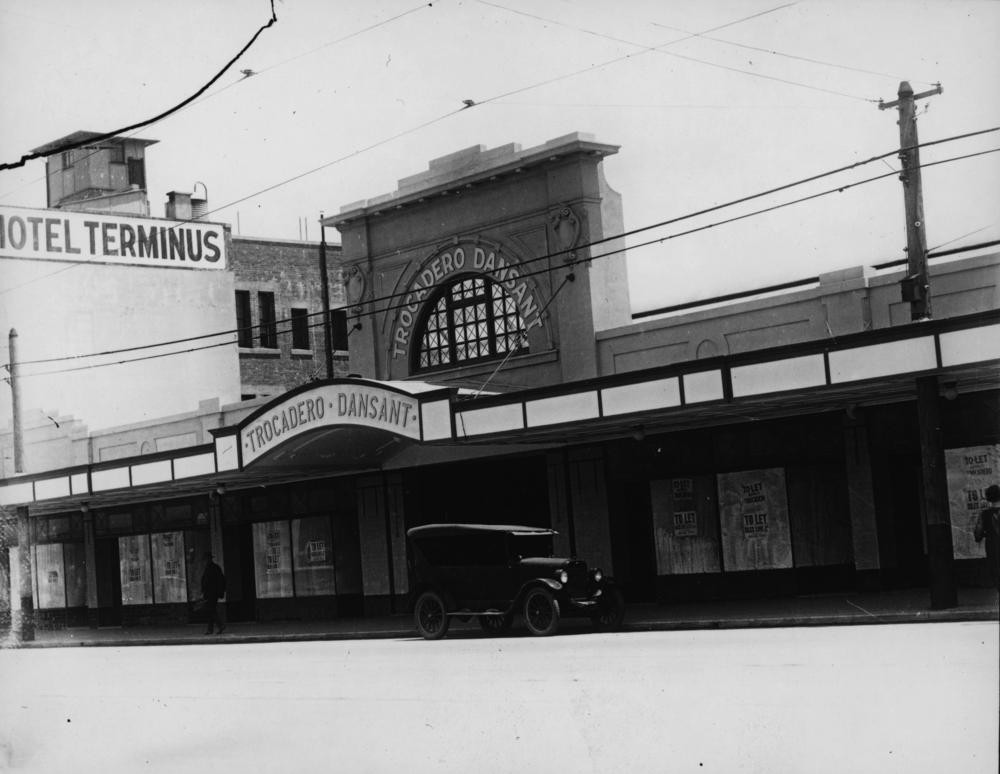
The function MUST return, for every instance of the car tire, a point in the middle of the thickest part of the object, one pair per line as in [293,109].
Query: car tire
[541,612]
[430,616]
[612,610]
[495,624]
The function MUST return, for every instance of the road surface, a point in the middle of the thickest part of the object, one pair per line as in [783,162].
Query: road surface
[908,698]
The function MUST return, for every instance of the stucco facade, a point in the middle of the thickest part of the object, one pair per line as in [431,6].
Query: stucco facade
[521,218]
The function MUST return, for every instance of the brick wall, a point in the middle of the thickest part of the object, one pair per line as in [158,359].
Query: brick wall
[290,270]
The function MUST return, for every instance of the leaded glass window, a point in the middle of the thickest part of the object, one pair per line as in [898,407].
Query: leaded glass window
[473,319]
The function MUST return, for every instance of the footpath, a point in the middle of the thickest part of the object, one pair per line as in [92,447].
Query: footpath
[894,607]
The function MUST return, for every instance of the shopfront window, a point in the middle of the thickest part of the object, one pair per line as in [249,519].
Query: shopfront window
[272,553]
[313,556]
[136,570]
[169,567]
[294,558]
[473,319]
[50,573]
[59,576]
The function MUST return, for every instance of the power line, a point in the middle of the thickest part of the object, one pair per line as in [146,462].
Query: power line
[447,115]
[354,34]
[211,94]
[715,208]
[107,136]
[352,154]
[660,240]
[545,270]
[660,49]
[963,236]
[511,350]
[601,65]
[555,254]
[158,354]
[787,56]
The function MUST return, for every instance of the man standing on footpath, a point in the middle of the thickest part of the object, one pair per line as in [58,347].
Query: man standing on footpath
[213,588]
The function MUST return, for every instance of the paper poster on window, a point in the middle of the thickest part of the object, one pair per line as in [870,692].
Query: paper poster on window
[272,559]
[74,557]
[169,570]
[314,571]
[685,525]
[50,570]
[137,581]
[753,507]
[970,471]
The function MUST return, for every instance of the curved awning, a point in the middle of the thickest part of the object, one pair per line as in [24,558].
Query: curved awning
[340,424]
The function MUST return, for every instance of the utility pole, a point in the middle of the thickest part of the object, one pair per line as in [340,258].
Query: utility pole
[916,285]
[23,622]
[324,280]
[915,288]
[15,401]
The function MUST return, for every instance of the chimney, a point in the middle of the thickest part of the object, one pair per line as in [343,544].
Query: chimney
[178,205]
[199,204]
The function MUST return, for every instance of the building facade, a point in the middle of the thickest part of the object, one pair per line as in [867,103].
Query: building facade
[121,280]
[804,442]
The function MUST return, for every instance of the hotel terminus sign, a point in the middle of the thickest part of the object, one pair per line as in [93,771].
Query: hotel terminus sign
[330,405]
[85,237]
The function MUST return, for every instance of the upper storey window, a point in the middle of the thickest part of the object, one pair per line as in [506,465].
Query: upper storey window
[473,319]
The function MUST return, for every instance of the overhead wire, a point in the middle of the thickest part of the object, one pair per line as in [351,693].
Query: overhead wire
[215,93]
[774,52]
[545,270]
[472,103]
[661,49]
[963,236]
[660,240]
[145,122]
[618,59]
[212,94]
[510,351]
[592,243]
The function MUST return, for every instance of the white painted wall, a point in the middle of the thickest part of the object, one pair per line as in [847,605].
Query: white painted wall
[64,309]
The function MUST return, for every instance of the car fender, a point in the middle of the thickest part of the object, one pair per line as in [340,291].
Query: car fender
[552,585]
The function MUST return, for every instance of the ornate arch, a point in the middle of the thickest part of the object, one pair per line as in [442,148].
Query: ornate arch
[472,319]
[446,267]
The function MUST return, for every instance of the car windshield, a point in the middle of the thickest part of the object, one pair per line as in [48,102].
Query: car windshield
[524,546]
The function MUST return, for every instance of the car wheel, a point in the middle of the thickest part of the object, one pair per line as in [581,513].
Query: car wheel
[612,609]
[430,616]
[541,612]
[495,624]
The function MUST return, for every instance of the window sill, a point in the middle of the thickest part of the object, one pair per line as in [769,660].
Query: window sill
[302,354]
[467,369]
[261,352]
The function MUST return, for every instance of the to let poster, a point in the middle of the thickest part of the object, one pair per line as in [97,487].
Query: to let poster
[753,509]
[272,559]
[970,471]
[51,575]
[685,525]
[137,581]
[169,570]
[313,554]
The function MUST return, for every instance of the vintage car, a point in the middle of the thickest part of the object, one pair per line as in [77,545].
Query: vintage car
[498,572]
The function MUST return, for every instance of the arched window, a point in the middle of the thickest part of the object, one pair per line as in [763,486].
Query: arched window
[473,319]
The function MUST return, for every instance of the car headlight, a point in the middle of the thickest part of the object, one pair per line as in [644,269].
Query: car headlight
[598,575]
[563,577]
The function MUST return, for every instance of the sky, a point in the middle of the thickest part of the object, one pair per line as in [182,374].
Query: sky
[700,122]
[709,101]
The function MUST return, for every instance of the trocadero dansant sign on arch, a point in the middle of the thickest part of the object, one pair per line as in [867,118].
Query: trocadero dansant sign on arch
[464,258]
[330,405]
